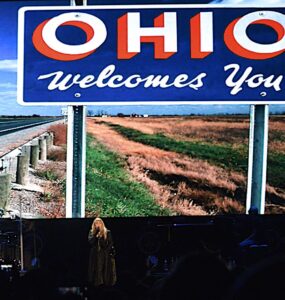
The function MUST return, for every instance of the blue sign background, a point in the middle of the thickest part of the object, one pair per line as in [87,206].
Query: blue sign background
[214,89]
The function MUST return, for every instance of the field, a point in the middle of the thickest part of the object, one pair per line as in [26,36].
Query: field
[189,165]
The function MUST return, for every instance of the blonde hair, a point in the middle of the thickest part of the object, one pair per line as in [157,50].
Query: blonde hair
[102,231]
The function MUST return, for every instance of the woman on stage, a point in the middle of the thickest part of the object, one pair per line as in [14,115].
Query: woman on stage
[102,269]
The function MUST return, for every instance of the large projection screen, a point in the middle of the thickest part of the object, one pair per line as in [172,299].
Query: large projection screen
[183,159]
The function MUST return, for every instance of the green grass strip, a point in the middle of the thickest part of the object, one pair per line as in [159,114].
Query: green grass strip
[276,169]
[221,155]
[109,188]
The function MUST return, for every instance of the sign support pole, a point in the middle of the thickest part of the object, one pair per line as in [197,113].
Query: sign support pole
[76,157]
[257,158]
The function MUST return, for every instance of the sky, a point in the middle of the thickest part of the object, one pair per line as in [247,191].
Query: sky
[8,60]
[8,68]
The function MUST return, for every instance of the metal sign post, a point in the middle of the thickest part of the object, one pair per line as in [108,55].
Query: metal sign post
[257,158]
[76,157]
[76,162]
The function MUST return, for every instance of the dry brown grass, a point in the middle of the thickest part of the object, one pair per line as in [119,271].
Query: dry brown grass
[195,171]
[52,202]
[187,186]
[165,196]
[277,146]
[175,179]
[277,123]
[58,168]
[274,209]
[207,188]
[57,153]
[60,133]
[232,130]
[189,128]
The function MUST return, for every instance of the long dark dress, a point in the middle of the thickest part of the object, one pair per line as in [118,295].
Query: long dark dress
[102,269]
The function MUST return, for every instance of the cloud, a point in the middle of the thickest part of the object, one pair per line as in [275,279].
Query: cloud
[9,65]
[7,95]
[7,101]
[8,85]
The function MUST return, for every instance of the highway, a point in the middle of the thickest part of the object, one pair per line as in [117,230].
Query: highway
[11,125]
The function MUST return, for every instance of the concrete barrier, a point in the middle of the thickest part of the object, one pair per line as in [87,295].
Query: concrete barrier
[26,150]
[43,148]
[22,175]
[50,139]
[34,155]
[5,190]
[9,162]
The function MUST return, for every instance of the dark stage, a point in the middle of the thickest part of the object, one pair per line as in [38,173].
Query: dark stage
[146,248]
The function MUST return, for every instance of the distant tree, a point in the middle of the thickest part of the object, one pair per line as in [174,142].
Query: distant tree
[90,113]
[101,112]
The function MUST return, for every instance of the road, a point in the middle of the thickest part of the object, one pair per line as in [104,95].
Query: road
[12,140]
[8,126]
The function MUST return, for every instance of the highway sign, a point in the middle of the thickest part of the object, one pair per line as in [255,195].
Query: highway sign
[151,54]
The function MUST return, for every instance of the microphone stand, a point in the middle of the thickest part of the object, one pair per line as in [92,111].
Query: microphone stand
[21,238]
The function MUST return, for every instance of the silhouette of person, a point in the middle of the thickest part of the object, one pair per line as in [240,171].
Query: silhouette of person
[101,269]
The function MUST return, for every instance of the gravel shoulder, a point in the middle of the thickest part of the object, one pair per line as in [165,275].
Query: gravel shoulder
[40,198]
